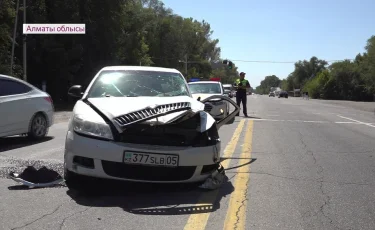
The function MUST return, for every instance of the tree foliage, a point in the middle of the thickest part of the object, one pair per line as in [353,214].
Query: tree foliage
[266,85]
[343,80]
[118,32]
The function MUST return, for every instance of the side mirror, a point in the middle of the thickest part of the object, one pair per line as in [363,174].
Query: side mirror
[75,91]
[199,99]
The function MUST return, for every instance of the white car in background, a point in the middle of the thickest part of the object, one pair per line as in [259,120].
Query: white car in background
[140,123]
[24,109]
[201,90]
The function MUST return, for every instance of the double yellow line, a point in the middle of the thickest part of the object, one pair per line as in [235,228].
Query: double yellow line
[236,214]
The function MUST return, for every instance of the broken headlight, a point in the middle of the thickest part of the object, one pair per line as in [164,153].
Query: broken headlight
[96,129]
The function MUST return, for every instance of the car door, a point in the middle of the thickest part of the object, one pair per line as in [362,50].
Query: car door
[15,107]
[228,119]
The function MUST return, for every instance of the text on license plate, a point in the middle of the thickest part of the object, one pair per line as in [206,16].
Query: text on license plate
[151,159]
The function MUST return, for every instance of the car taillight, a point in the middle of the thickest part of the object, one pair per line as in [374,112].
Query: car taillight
[49,99]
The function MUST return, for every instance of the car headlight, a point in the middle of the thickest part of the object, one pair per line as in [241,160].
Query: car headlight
[91,128]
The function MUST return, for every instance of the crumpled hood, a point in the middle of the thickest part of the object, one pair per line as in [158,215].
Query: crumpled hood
[117,106]
[203,96]
[113,107]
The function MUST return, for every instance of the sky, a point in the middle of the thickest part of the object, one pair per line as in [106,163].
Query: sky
[283,30]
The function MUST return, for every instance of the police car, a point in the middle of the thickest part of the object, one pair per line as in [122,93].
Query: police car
[201,90]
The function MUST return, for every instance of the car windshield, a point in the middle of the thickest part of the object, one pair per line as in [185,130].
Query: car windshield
[135,83]
[205,88]
[227,87]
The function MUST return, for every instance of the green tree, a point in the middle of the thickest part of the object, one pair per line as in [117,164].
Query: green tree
[266,85]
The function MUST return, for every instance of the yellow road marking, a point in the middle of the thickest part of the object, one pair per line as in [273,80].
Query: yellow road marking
[199,221]
[236,215]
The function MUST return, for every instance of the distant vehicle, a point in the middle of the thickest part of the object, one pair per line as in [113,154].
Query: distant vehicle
[24,109]
[203,89]
[271,94]
[283,94]
[228,89]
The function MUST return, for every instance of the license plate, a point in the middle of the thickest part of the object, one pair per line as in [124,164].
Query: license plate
[151,159]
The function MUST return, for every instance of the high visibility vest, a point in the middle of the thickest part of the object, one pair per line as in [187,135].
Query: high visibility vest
[244,83]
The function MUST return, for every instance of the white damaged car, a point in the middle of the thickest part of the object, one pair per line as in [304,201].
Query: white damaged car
[141,124]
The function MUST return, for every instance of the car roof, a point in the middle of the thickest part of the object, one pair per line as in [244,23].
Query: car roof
[141,68]
[198,82]
[17,79]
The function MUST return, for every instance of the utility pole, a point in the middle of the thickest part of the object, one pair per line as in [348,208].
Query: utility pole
[24,44]
[14,38]
[186,62]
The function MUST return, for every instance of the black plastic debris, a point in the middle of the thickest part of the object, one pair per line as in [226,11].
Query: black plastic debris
[215,180]
[32,177]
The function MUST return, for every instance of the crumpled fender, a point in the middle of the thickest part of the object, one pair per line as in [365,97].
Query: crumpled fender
[207,121]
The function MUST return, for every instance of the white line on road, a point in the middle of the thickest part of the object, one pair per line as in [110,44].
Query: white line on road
[321,122]
[290,120]
[360,122]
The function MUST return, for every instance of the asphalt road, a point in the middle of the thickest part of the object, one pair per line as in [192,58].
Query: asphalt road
[295,164]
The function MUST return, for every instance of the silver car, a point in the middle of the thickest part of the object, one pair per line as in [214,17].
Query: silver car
[24,109]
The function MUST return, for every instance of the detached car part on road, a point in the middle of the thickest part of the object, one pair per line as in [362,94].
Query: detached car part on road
[141,124]
[24,109]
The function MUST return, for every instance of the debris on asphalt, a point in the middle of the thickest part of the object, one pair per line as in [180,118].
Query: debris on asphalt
[215,180]
[33,177]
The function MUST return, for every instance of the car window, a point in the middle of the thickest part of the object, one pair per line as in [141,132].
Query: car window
[10,87]
[134,83]
[205,88]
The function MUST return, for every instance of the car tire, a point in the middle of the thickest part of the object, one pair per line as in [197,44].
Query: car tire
[38,127]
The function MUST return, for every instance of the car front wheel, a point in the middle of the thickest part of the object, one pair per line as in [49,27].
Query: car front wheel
[38,127]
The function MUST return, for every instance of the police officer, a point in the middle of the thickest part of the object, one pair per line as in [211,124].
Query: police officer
[241,85]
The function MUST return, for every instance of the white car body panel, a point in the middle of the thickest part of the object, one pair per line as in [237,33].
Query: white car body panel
[19,109]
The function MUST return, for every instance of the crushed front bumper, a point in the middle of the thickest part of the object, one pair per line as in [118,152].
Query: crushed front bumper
[104,159]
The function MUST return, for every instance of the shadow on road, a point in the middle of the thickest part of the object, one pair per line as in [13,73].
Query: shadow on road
[24,187]
[150,199]
[238,158]
[251,117]
[15,142]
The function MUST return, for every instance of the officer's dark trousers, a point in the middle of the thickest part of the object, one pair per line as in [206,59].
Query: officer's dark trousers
[242,97]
